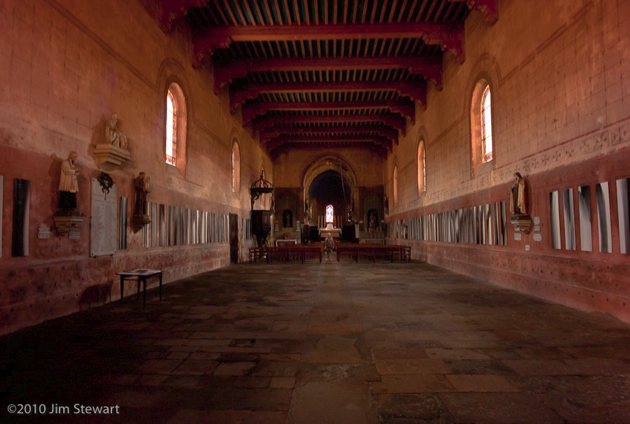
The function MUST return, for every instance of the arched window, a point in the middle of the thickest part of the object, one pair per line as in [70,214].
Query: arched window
[422,168]
[486,125]
[171,129]
[395,185]
[481,125]
[175,126]
[236,168]
[330,213]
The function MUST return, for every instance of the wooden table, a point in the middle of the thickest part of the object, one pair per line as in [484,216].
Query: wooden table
[140,275]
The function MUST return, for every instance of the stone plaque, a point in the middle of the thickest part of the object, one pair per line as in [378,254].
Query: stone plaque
[536,220]
[536,227]
[537,237]
[74,233]
[517,236]
[43,231]
[104,220]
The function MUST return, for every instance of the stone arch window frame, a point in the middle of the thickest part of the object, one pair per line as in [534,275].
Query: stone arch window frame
[235,175]
[479,84]
[422,167]
[174,88]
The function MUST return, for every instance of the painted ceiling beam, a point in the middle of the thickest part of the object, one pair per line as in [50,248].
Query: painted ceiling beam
[449,36]
[225,71]
[251,109]
[374,148]
[171,10]
[414,90]
[488,8]
[388,132]
[270,122]
[355,138]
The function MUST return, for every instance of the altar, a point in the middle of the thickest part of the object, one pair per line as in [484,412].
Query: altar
[334,232]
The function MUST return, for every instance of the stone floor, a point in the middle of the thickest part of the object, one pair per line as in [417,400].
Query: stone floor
[325,343]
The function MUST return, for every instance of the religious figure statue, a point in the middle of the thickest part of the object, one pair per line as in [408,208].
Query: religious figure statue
[141,183]
[518,196]
[115,137]
[68,183]
[372,221]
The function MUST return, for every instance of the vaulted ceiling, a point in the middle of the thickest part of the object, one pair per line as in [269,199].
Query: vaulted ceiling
[321,72]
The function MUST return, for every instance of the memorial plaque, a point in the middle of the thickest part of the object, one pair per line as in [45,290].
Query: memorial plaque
[104,220]
[74,233]
[43,231]
[536,220]
[537,237]
[517,236]
[536,227]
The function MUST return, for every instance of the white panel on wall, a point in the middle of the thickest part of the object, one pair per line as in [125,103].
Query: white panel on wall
[569,219]
[584,201]
[554,203]
[603,217]
[623,212]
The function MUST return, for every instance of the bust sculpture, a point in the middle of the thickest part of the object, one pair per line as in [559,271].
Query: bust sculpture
[115,137]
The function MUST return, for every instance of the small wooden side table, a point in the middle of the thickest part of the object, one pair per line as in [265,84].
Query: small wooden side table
[140,275]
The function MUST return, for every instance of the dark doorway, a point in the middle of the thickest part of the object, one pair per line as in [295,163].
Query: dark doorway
[233,238]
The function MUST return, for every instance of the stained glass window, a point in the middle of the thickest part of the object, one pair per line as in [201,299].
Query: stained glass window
[330,213]
[486,126]
[171,129]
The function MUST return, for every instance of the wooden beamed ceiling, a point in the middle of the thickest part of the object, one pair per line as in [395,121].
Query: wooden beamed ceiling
[326,72]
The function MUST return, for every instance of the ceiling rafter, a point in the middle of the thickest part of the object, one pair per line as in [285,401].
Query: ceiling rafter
[393,120]
[449,36]
[388,132]
[404,107]
[354,138]
[225,71]
[415,90]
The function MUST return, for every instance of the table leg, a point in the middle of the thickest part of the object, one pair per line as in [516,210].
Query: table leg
[144,296]
[160,287]
[122,279]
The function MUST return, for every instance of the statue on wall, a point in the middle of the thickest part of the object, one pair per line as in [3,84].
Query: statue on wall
[519,204]
[140,216]
[372,221]
[287,218]
[69,183]
[518,196]
[141,184]
[115,137]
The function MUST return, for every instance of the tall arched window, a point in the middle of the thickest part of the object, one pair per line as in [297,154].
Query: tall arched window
[330,213]
[395,185]
[422,168]
[486,125]
[481,125]
[171,129]
[236,168]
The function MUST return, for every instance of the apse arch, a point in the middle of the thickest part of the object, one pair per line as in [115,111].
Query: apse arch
[325,164]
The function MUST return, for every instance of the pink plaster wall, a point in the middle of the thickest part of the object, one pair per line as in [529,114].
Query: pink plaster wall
[561,114]
[65,67]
